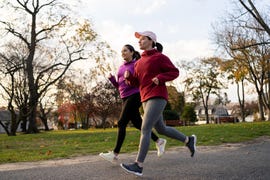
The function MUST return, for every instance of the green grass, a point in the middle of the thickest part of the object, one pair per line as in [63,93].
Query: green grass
[66,144]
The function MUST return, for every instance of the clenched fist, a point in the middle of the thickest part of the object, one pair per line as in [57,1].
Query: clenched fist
[155,80]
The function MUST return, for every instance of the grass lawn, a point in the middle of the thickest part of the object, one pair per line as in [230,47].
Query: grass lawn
[70,143]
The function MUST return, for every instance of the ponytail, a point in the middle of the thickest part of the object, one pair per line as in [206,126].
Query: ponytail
[136,55]
[159,47]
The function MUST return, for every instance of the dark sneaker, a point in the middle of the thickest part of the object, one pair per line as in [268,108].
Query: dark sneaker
[133,168]
[192,144]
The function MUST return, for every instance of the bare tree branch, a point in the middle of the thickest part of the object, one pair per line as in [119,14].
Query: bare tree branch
[256,15]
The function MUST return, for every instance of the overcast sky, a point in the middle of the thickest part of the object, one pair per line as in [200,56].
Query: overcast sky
[183,27]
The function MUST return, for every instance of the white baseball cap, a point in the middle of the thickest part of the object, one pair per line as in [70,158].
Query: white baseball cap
[148,34]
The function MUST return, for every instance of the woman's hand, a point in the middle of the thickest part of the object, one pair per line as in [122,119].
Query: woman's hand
[110,76]
[155,80]
[126,74]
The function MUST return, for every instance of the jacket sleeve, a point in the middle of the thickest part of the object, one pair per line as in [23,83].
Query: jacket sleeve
[113,81]
[168,71]
[132,80]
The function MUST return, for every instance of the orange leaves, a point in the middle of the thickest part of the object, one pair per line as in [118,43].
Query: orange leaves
[86,32]
[47,152]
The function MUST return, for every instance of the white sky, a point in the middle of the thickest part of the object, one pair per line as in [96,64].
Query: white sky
[182,27]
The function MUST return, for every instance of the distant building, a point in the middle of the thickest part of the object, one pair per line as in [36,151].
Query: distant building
[217,114]
[5,118]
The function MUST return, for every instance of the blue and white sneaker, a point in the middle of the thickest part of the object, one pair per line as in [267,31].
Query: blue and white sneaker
[192,144]
[133,168]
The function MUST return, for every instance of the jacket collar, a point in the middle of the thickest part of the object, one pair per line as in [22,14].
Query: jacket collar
[149,52]
[130,61]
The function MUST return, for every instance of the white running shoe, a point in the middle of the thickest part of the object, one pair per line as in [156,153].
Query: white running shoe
[160,145]
[110,156]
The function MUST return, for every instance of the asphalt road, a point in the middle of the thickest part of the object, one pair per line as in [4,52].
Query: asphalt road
[243,161]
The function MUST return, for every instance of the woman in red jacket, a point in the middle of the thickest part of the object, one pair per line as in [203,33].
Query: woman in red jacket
[152,71]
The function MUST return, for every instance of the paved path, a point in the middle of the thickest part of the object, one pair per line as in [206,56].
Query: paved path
[244,161]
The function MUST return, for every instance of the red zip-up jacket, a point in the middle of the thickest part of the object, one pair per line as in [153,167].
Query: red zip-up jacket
[153,64]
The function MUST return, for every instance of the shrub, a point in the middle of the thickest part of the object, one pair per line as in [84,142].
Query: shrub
[170,115]
[189,114]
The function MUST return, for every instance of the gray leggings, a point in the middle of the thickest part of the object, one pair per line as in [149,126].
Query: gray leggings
[153,117]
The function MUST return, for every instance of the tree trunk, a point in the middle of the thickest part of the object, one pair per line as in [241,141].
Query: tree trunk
[45,122]
[23,117]
[5,128]
[24,123]
[206,107]
[241,102]
[206,114]
[268,113]
[14,124]
[261,110]
[33,101]
[268,93]
[32,127]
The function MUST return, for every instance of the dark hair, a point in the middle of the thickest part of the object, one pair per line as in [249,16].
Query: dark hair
[158,46]
[136,54]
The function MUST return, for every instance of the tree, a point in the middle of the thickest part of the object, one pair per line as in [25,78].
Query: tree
[203,80]
[72,91]
[253,11]
[54,41]
[106,101]
[14,86]
[189,114]
[221,99]
[264,25]
[245,38]
[250,108]
[87,108]
[175,104]
[176,99]
[14,120]
[237,73]
[64,112]
[45,108]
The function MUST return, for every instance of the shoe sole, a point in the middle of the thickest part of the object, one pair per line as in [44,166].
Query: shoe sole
[195,141]
[132,172]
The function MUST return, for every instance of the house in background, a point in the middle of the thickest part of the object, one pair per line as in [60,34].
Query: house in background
[5,118]
[217,114]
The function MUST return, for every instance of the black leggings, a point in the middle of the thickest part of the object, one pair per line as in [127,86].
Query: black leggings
[130,111]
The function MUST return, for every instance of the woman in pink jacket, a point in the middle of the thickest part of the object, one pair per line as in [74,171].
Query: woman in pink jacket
[151,73]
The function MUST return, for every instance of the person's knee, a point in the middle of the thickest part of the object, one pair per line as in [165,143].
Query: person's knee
[122,123]
[146,130]
[161,130]
[137,126]
[137,123]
